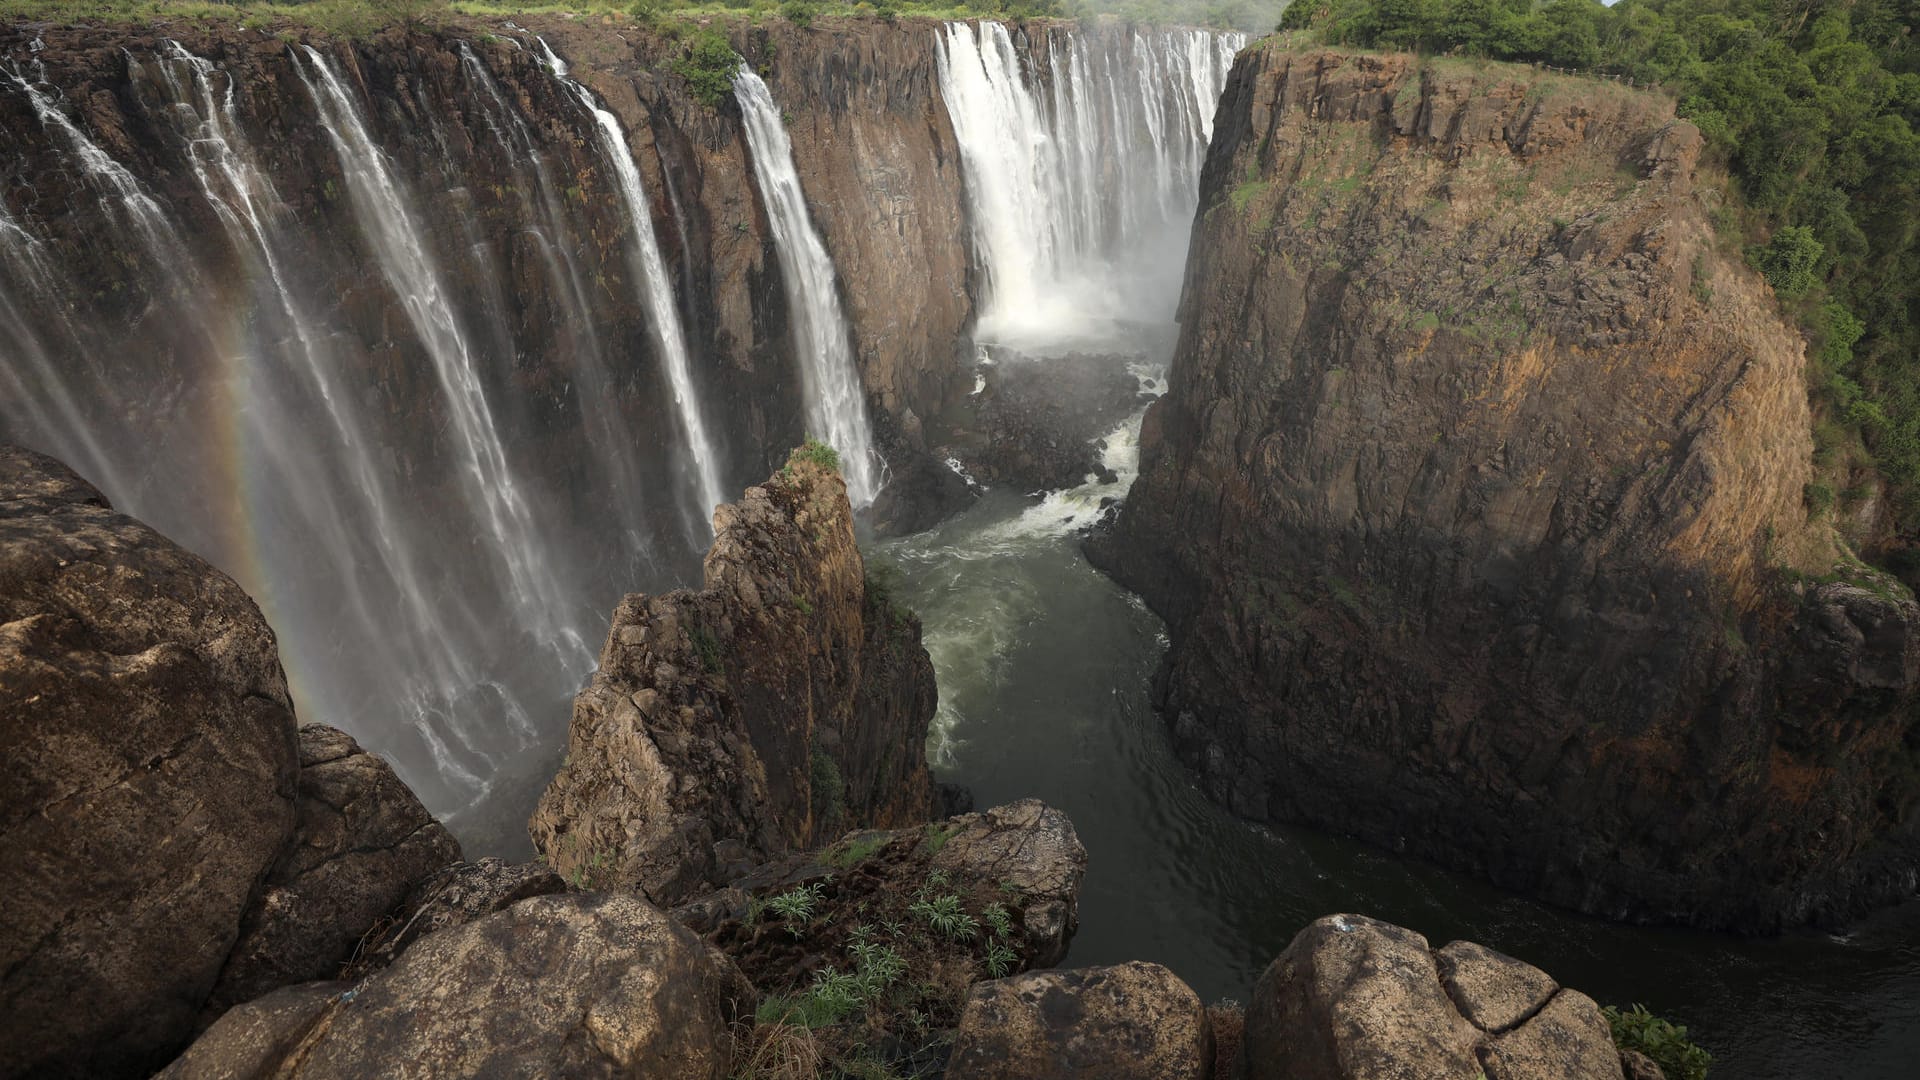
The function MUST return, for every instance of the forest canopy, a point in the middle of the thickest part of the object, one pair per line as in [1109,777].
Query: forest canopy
[1813,105]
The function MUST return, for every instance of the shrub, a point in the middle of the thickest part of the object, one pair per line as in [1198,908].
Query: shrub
[708,66]
[1789,260]
[1666,1043]
[817,452]
[798,12]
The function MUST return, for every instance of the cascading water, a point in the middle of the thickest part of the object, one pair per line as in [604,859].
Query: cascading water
[1082,175]
[650,275]
[836,408]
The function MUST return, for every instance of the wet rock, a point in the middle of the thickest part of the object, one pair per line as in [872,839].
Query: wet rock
[780,705]
[362,842]
[147,782]
[1353,998]
[576,985]
[921,493]
[455,896]
[1037,423]
[1134,1020]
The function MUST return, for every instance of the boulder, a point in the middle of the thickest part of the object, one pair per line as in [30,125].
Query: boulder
[1353,998]
[456,896]
[581,985]
[1134,1020]
[1029,849]
[147,777]
[362,842]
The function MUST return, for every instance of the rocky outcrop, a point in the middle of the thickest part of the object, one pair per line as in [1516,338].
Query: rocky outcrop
[581,985]
[780,705]
[1037,423]
[147,781]
[1475,508]
[1128,1021]
[362,842]
[1353,998]
[455,896]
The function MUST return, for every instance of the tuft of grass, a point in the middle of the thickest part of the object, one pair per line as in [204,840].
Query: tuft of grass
[853,852]
[816,452]
[795,907]
[708,649]
[937,835]
[946,917]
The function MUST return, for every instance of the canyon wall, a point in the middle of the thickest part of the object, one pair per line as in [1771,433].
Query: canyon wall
[1475,508]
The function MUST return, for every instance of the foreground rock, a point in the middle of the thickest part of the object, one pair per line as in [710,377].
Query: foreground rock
[455,896]
[784,703]
[1475,508]
[147,782]
[1353,998]
[579,985]
[362,842]
[918,915]
[1132,1021]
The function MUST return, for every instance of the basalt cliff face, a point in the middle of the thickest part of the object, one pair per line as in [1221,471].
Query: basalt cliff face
[782,704]
[1475,508]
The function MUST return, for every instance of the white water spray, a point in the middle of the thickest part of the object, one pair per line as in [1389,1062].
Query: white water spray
[650,272]
[836,408]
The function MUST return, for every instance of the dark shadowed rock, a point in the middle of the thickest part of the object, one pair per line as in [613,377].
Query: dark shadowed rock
[362,842]
[1353,998]
[455,896]
[921,493]
[777,707]
[1133,1021]
[583,985]
[147,777]
[1639,1066]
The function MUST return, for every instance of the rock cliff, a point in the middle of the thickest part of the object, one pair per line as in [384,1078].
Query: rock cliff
[775,708]
[1475,508]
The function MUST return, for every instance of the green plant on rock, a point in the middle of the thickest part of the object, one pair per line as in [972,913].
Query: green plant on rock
[1000,959]
[945,916]
[996,917]
[795,907]
[1665,1042]
[816,452]
[708,66]
[799,13]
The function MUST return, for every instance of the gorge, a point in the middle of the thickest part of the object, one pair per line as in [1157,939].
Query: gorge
[440,342]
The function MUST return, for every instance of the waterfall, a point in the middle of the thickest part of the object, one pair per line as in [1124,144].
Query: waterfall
[1082,164]
[836,409]
[650,276]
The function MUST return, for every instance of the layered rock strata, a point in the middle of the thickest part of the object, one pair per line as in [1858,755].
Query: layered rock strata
[776,707]
[1475,508]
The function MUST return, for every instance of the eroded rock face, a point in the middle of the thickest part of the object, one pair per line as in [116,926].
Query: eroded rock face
[147,778]
[1353,998]
[456,896]
[1128,1021]
[579,985]
[361,844]
[778,706]
[1475,509]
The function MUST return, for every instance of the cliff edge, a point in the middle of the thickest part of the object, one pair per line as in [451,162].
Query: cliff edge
[1476,509]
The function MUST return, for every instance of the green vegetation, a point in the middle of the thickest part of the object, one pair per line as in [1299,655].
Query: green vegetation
[829,792]
[1664,1042]
[853,852]
[817,452]
[795,907]
[1812,105]
[707,648]
[708,66]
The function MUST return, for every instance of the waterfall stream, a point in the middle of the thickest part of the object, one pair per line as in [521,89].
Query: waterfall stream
[650,272]
[836,409]
[1082,173]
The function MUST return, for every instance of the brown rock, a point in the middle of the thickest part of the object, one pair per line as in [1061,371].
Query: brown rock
[1567,1040]
[767,712]
[456,896]
[362,842]
[1353,998]
[146,780]
[1638,1066]
[1030,849]
[1475,508]
[1133,1020]
[579,985]
[1356,999]
[1492,990]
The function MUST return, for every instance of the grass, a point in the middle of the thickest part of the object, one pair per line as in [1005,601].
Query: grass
[852,853]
